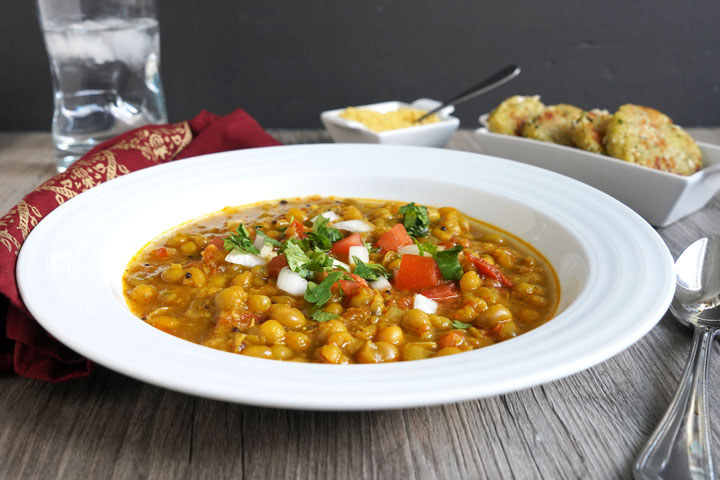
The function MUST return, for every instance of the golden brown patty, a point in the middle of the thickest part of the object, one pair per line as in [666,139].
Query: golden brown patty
[589,130]
[646,137]
[510,116]
[554,124]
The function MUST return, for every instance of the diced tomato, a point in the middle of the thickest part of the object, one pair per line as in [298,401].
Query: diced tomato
[442,293]
[276,264]
[351,287]
[296,229]
[342,247]
[219,242]
[417,273]
[161,252]
[394,238]
[490,270]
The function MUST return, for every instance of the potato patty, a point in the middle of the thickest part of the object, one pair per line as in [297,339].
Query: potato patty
[554,124]
[646,137]
[511,115]
[589,130]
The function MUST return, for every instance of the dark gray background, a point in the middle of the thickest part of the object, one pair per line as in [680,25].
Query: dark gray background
[285,61]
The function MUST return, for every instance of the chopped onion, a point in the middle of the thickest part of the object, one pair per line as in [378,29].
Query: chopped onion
[338,264]
[421,302]
[244,259]
[409,249]
[291,282]
[267,252]
[354,226]
[330,215]
[359,251]
[381,284]
[259,242]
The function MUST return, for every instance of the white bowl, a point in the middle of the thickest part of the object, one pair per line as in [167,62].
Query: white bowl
[659,197]
[616,274]
[427,135]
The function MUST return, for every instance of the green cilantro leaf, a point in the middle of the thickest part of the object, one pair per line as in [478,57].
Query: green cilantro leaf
[460,325]
[266,239]
[320,316]
[240,241]
[415,219]
[296,257]
[323,236]
[449,264]
[319,293]
[430,248]
[370,271]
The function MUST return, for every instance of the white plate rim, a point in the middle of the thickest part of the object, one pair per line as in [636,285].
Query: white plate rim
[408,388]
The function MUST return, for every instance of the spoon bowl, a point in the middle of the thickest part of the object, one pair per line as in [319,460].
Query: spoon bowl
[680,446]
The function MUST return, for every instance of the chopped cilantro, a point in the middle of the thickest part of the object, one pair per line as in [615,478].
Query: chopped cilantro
[240,241]
[320,316]
[449,264]
[415,219]
[323,236]
[460,325]
[319,293]
[430,248]
[296,256]
[370,271]
[267,240]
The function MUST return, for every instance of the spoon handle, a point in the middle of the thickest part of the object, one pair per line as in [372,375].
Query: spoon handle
[680,446]
[493,81]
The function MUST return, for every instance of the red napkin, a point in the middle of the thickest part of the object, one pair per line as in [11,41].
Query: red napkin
[25,347]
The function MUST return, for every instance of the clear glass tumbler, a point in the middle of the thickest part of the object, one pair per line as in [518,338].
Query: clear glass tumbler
[105,66]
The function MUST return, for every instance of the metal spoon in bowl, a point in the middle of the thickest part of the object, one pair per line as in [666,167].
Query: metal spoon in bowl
[680,446]
[495,80]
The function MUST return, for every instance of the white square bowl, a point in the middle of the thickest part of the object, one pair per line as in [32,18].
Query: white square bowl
[435,134]
[659,197]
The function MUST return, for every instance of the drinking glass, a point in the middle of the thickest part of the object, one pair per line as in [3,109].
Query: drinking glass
[105,65]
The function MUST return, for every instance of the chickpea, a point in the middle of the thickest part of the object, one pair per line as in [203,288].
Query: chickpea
[352,213]
[470,281]
[271,332]
[189,248]
[493,238]
[447,351]
[231,298]
[378,304]
[442,233]
[331,354]
[328,328]
[334,307]
[143,293]
[362,298]
[388,352]
[176,240]
[259,351]
[526,289]
[243,279]
[489,294]
[507,330]
[504,257]
[194,277]
[296,214]
[393,335]
[258,303]
[416,320]
[415,352]
[440,322]
[528,316]
[383,213]
[368,353]
[164,322]
[367,332]
[493,316]
[298,341]
[173,274]
[537,300]
[281,352]
[341,339]
[290,317]
[456,338]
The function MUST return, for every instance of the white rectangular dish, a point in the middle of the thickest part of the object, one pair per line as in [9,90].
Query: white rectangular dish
[436,134]
[659,197]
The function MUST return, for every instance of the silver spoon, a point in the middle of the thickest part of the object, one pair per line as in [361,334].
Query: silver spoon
[680,446]
[495,80]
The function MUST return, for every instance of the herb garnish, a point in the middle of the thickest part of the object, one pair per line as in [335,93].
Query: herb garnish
[447,261]
[320,316]
[319,293]
[296,256]
[267,240]
[240,241]
[323,236]
[415,219]
[460,325]
[370,271]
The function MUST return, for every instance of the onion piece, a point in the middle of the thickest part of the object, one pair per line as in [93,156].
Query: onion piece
[421,302]
[359,251]
[244,259]
[330,215]
[354,226]
[267,252]
[381,284]
[291,282]
[338,264]
[259,242]
[409,249]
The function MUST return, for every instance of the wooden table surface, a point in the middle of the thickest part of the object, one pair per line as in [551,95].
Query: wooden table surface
[590,425]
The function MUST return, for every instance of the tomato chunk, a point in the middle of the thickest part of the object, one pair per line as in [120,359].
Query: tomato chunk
[417,273]
[296,229]
[394,238]
[276,264]
[490,270]
[342,247]
[442,293]
[351,287]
